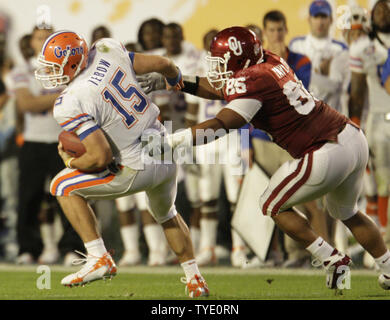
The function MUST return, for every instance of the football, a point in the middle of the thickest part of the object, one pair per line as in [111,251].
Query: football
[71,144]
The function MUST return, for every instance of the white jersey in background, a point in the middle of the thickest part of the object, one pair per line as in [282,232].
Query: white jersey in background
[325,88]
[177,101]
[106,95]
[367,56]
[38,126]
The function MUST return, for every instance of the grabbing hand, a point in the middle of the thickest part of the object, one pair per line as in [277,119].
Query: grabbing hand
[150,82]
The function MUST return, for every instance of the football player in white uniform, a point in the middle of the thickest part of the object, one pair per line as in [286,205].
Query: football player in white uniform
[326,55]
[367,55]
[104,105]
[225,152]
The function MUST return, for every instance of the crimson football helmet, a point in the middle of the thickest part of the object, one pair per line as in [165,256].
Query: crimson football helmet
[231,50]
[63,56]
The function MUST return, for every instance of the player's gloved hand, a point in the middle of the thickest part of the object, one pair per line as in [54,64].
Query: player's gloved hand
[150,82]
[113,167]
[157,145]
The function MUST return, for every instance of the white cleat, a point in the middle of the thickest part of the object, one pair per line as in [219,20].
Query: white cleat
[130,258]
[196,287]
[95,268]
[25,259]
[238,257]
[49,256]
[384,281]
[206,257]
[157,258]
[335,266]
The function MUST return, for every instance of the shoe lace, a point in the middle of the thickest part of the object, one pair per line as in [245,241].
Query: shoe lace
[316,263]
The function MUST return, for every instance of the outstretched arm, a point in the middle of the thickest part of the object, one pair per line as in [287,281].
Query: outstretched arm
[197,86]
[146,63]
[236,114]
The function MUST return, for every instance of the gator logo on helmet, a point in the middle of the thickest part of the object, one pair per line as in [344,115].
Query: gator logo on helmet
[59,52]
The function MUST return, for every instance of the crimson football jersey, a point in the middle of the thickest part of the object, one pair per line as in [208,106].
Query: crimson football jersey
[295,120]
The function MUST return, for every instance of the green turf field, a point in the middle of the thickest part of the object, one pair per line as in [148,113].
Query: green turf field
[164,284]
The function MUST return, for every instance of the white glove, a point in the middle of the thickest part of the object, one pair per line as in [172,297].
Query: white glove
[150,82]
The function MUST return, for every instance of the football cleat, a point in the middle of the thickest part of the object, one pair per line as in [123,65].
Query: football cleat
[238,257]
[130,258]
[384,281]
[196,287]
[157,258]
[335,266]
[95,268]
[206,257]
[49,256]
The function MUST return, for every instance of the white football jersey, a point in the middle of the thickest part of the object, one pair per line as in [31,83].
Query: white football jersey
[38,126]
[107,96]
[368,56]
[177,102]
[323,87]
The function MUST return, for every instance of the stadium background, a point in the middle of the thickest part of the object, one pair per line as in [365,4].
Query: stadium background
[123,17]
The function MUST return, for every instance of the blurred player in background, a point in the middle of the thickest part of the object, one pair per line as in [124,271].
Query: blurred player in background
[38,161]
[149,40]
[328,56]
[367,54]
[208,181]
[179,109]
[99,33]
[105,107]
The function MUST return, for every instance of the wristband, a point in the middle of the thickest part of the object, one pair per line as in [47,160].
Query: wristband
[174,81]
[68,163]
[191,84]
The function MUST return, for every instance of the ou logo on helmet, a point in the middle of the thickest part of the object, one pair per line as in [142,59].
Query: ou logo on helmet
[235,46]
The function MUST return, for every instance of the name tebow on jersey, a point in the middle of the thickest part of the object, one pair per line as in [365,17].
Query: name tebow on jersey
[106,95]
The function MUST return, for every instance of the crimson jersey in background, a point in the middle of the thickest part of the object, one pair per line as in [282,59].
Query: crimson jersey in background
[296,120]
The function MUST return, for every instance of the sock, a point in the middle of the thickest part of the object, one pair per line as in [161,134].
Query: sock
[383,263]
[382,210]
[320,249]
[237,242]
[208,233]
[190,269]
[372,208]
[195,238]
[96,247]
[130,236]
[155,237]
[48,236]
[341,236]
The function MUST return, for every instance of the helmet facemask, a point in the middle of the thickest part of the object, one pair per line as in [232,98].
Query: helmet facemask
[218,74]
[51,74]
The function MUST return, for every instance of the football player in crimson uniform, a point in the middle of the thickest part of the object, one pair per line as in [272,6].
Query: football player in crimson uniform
[330,151]
[104,105]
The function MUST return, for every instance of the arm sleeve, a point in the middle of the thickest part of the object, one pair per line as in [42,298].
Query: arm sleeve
[386,70]
[246,108]
[70,115]
[304,74]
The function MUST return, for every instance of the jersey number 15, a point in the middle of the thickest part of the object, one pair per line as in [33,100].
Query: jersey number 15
[128,102]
